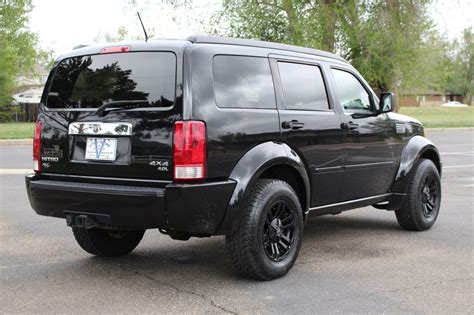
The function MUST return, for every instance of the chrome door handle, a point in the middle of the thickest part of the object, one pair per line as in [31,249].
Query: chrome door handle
[294,124]
[349,125]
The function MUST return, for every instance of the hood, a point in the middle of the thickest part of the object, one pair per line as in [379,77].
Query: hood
[405,119]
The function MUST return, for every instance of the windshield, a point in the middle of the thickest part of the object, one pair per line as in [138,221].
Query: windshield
[91,81]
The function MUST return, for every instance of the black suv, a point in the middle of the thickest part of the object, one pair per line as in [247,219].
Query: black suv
[215,136]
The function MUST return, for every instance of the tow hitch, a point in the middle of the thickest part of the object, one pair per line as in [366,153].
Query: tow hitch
[86,220]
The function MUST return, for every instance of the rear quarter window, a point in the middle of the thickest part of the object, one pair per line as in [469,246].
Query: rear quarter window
[243,82]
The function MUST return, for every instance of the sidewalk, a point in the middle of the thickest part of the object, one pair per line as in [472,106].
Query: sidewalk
[28,142]
[15,142]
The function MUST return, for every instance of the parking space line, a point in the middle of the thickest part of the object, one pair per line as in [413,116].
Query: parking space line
[456,145]
[458,153]
[14,171]
[458,166]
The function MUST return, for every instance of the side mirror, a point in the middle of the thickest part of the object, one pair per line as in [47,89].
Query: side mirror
[387,102]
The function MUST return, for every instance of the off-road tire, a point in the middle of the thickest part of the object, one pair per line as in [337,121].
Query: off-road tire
[411,216]
[107,243]
[245,242]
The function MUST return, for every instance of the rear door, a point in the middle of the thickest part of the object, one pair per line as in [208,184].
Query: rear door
[130,142]
[310,125]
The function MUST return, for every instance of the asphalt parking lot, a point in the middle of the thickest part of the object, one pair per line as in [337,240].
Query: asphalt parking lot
[356,262]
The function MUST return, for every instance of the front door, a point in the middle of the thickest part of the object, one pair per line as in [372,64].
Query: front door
[310,125]
[369,139]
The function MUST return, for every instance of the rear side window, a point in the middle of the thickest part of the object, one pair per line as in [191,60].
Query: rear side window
[243,82]
[303,86]
[90,81]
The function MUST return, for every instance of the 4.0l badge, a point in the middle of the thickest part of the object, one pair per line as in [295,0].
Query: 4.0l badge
[160,165]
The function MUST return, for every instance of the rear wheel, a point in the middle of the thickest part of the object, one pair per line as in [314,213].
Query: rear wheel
[101,242]
[421,207]
[266,238]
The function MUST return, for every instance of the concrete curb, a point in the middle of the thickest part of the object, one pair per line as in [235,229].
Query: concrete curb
[447,129]
[28,142]
[15,142]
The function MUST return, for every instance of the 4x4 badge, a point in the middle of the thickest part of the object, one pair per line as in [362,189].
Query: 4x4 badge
[161,165]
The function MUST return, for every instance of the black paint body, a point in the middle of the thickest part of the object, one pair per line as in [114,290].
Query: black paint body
[331,167]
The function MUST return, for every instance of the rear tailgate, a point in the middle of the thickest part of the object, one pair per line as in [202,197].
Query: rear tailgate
[127,142]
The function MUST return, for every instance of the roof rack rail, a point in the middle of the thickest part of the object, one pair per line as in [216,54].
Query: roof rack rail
[261,44]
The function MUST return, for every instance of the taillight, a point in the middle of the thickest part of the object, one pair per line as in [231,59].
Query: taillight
[189,151]
[115,49]
[37,147]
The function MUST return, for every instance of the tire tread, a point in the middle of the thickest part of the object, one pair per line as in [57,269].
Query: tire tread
[406,216]
[241,237]
[96,244]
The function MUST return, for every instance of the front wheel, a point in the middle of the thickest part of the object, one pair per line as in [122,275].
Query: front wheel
[266,238]
[421,207]
[101,242]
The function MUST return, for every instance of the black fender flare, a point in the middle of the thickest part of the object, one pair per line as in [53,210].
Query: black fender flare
[416,148]
[249,168]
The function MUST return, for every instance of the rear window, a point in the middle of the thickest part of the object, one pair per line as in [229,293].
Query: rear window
[303,87]
[243,82]
[90,81]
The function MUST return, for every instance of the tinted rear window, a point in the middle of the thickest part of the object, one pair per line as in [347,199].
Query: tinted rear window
[243,82]
[90,81]
[303,86]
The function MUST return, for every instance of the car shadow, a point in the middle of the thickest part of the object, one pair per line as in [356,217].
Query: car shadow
[325,238]
[324,226]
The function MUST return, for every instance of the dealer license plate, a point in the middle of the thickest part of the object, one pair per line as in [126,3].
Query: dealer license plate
[103,149]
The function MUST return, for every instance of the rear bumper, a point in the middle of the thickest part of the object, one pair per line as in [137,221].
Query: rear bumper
[195,209]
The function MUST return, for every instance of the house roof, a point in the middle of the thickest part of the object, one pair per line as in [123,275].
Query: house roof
[31,96]
[426,92]
[40,70]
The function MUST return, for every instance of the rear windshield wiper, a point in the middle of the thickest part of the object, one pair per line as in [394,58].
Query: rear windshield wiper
[126,103]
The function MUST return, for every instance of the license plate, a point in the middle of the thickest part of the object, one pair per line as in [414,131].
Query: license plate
[103,149]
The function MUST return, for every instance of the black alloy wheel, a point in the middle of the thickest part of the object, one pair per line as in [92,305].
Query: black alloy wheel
[279,231]
[429,195]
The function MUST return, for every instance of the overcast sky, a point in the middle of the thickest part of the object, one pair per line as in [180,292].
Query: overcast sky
[63,24]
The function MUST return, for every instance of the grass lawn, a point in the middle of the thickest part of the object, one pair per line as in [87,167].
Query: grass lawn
[442,117]
[431,117]
[16,130]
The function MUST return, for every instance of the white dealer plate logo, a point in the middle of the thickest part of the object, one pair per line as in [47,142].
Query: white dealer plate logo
[103,149]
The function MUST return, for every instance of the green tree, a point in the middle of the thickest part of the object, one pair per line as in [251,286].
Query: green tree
[383,39]
[120,34]
[460,79]
[46,58]
[17,45]
[297,22]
